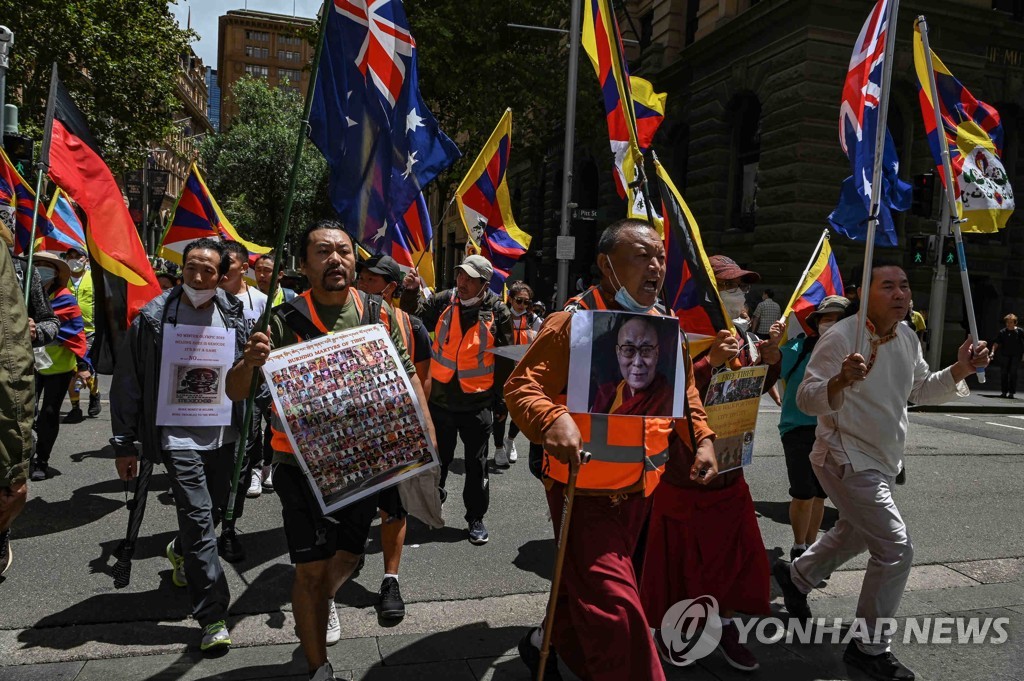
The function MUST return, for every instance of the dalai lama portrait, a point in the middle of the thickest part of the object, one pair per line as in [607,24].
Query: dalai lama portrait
[639,388]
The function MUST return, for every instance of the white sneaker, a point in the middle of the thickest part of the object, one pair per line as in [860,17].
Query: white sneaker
[500,458]
[255,486]
[510,448]
[333,630]
[268,478]
[324,673]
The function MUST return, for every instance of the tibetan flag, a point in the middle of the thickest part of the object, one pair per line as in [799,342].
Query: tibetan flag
[412,240]
[66,229]
[197,215]
[822,280]
[71,333]
[127,282]
[632,108]
[690,289]
[16,203]
[974,135]
[485,207]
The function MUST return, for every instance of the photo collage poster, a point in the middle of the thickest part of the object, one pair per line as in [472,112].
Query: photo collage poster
[732,404]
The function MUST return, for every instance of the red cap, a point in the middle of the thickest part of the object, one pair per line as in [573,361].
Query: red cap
[726,268]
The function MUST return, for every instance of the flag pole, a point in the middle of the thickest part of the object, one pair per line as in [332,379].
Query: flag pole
[876,175]
[955,219]
[416,266]
[42,168]
[282,232]
[803,277]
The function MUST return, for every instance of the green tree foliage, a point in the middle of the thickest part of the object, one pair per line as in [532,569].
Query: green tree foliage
[118,58]
[247,167]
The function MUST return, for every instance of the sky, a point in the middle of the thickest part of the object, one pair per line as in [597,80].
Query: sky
[206,12]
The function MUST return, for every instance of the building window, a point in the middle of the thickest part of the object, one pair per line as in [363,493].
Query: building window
[746,122]
[258,36]
[257,71]
[289,40]
[691,20]
[257,52]
[290,75]
[285,55]
[646,30]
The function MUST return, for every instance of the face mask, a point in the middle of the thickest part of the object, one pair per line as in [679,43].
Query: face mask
[46,276]
[825,326]
[198,298]
[624,299]
[77,266]
[517,314]
[734,301]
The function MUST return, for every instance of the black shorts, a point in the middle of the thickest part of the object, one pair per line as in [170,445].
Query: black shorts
[803,483]
[311,535]
[390,501]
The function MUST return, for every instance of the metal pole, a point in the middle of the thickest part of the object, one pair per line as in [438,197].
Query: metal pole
[145,201]
[570,140]
[42,168]
[803,277]
[937,304]
[876,175]
[6,43]
[954,209]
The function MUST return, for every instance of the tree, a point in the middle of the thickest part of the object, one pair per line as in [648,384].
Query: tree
[119,59]
[247,166]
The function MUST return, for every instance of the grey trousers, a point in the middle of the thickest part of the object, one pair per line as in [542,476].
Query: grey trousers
[868,521]
[200,482]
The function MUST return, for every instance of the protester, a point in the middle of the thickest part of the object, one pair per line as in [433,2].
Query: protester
[381,276]
[858,453]
[325,550]
[1009,343]
[199,458]
[17,396]
[539,309]
[525,325]
[766,313]
[66,359]
[80,285]
[42,322]
[807,504]
[468,321]
[264,270]
[599,627]
[166,279]
[704,539]
[917,323]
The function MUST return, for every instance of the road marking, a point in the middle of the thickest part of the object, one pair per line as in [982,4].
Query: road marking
[1013,416]
[1004,425]
[965,418]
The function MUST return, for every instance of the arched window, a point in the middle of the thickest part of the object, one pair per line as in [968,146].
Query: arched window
[745,114]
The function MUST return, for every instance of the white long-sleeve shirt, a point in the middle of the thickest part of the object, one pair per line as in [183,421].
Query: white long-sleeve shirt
[868,427]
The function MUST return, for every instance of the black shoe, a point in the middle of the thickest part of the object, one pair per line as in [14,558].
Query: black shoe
[477,532]
[5,551]
[530,655]
[39,472]
[392,607]
[94,405]
[795,600]
[1002,395]
[74,416]
[884,667]
[229,546]
[795,553]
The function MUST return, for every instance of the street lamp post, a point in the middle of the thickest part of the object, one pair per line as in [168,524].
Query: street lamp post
[6,43]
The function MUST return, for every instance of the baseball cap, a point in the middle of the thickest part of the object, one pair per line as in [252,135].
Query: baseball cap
[385,266]
[726,268]
[477,266]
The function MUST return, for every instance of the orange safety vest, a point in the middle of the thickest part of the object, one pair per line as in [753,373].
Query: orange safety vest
[463,353]
[625,450]
[522,330]
[405,330]
[304,304]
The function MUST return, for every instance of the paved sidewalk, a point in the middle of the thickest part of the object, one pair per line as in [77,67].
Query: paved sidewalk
[475,640]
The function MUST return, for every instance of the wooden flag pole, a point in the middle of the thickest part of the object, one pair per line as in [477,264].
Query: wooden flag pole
[955,219]
[803,277]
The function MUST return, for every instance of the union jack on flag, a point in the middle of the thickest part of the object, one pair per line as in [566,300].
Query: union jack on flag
[858,124]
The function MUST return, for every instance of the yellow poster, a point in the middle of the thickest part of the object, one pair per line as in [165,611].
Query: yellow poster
[731,404]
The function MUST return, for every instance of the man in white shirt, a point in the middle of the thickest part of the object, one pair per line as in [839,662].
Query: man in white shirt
[858,453]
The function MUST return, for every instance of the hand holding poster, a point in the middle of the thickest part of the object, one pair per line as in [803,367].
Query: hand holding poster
[195,360]
[731,404]
[351,414]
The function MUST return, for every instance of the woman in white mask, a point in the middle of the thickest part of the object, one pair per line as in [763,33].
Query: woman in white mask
[797,428]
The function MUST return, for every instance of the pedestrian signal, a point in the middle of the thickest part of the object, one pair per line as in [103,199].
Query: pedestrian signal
[949,251]
[19,150]
[923,195]
[919,251]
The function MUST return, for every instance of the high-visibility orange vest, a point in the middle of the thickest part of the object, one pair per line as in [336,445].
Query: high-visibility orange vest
[522,329]
[405,330]
[625,450]
[465,354]
[303,303]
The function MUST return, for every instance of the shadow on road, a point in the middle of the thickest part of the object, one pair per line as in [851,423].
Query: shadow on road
[778,511]
[537,556]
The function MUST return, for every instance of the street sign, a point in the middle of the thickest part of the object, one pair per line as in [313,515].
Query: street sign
[157,189]
[565,248]
[584,214]
[133,190]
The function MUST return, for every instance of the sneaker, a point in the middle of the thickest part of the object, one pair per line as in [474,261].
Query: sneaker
[333,625]
[884,667]
[268,479]
[500,458]
[392,607]
[477,532]
[177,567]
[229,546]
[5,551]
[39,472]
[795,553]
[665,654]
[215,635]
[324,673]
[510,449]
[736,654]
[530,655]
[75,415]
[255,485]
[795,600]
[94,405]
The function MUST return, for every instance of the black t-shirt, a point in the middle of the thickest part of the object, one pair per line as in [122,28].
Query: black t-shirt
[1011,342]
[422,340]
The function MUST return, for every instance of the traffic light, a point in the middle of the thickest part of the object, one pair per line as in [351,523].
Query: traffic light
[923,195]
[949,251]
[19,150]
[919,251]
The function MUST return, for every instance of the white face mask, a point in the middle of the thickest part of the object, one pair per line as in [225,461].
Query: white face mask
[198,298]
[517,314]
[825,326]
[77,265]
[623,297]
[734,301]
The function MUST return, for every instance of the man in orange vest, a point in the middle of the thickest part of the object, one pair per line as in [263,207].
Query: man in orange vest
[599,628]
[468,320]
[325,550]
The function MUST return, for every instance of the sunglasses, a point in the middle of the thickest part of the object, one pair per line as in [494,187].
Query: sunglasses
[521,301]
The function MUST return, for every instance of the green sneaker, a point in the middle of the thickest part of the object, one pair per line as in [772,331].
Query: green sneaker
[215,635]
[177,566]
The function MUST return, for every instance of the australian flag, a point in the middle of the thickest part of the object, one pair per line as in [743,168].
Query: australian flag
[368,119]
[858,125]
